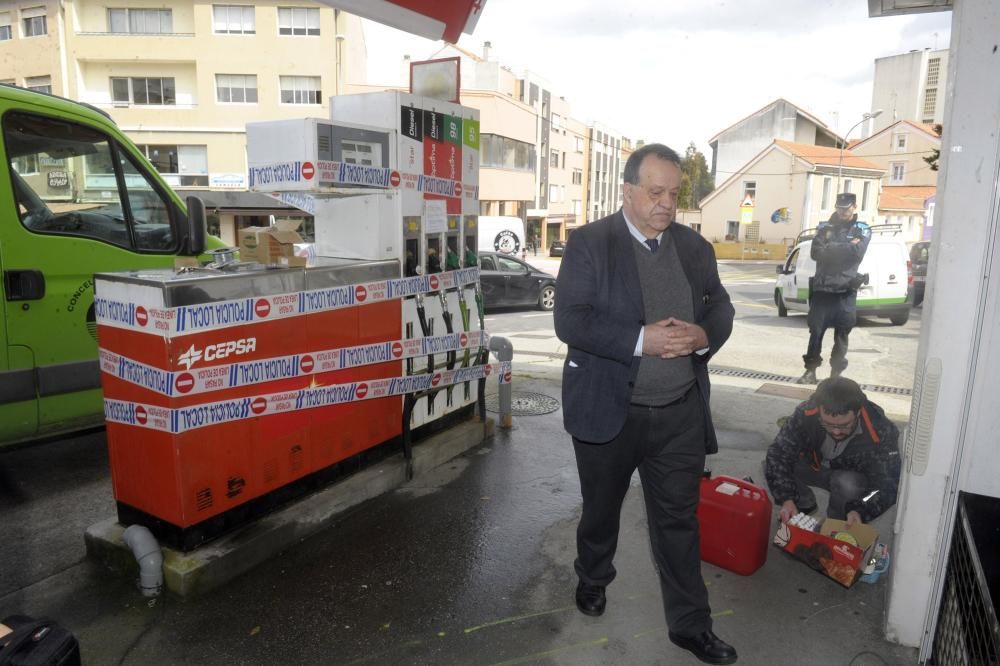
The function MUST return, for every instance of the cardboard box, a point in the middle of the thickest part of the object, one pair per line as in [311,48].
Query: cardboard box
[837,558]
[270,245]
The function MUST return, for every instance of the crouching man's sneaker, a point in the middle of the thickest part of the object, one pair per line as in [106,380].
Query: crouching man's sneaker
[708,647]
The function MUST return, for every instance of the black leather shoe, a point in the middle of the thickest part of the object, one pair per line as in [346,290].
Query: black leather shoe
[708,647]
[590,599]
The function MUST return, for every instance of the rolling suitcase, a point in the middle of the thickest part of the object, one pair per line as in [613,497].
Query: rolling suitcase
[734,519]
[41,642]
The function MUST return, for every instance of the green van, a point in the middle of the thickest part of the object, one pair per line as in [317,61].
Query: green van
[76,198]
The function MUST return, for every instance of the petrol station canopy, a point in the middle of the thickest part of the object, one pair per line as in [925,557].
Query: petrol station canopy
[433,19]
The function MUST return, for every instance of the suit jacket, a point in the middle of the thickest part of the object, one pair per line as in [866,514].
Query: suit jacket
[599,311]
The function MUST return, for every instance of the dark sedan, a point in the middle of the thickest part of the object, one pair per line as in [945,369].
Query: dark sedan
[508,281]
[557,247]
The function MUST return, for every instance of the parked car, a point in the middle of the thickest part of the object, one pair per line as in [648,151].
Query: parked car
[886,294]
[919,256]
[557,247]
[508,281]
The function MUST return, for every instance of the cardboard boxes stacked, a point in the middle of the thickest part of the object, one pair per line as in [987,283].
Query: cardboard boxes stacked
[272,246]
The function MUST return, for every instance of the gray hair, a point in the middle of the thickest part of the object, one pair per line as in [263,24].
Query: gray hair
[635,159]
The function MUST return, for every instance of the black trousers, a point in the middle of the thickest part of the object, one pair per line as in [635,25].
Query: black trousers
[844,485]
[836,311]
[667,445]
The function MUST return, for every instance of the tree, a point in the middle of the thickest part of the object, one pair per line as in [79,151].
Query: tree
[932,159]
[696,182]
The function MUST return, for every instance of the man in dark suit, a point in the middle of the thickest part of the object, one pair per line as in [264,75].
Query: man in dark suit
[641,308]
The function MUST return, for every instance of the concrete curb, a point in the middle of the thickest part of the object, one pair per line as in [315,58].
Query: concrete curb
[223,559]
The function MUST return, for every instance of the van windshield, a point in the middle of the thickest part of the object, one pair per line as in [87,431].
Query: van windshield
[69,179]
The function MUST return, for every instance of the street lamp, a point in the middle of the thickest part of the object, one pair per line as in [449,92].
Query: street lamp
[840,164]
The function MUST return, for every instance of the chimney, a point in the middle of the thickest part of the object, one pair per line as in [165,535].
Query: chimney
[486,50]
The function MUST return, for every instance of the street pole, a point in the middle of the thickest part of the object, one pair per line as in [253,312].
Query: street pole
[840,164]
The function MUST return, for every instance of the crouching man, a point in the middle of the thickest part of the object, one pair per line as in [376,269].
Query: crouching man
[840,441]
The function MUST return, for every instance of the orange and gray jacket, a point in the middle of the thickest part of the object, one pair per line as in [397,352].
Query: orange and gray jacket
[872,452]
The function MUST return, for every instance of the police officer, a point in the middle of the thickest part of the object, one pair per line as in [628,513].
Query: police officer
[838,248]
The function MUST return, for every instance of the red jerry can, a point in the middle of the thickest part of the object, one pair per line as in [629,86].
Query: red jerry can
[734,518]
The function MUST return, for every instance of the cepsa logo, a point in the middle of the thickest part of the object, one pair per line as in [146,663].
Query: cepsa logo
[217,351]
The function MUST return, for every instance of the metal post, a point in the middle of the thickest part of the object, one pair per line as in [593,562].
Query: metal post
[504,351]
[840,163]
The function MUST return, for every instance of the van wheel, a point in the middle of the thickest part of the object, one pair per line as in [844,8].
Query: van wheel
[900,319]
[547,298]
[782,310]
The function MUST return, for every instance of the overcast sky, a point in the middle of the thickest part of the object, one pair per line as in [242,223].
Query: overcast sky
[678,71]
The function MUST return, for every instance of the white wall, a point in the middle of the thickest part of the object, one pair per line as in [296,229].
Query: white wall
[959,333]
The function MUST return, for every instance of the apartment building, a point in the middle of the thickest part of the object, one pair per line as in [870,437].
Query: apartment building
[604,171]
[910,86]
[183,78]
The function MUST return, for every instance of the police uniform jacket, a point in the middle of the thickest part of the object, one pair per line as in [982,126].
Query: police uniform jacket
[837,257]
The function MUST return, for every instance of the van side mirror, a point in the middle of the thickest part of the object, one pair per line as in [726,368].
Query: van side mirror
[195,233]
[780,269]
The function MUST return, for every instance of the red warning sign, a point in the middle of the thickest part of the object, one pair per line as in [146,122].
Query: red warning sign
[308,170]
[184,382]
[360,293]
[434,282]
[141,316]
[262,307]
[258,405]
[394,179]
[506,376]
[361,391]
[458,189]
[436,379]
[463,339]
[140,414]
[397,349]
[487,369]
[306,364]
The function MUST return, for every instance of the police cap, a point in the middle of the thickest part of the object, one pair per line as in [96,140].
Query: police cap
[846,200]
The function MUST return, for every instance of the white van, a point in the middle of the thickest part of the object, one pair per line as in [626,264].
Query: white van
[886,262]
[501,233]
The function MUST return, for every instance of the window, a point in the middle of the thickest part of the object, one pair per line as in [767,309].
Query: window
[233,20]
[930,102]
[827,186]
[933,71]
[85,185]
[502,153]
[180,166]
[897,172]
[696,227]
[5,31]
[553,193]
[33,21]
[298,21]
[577,177]
[300,90]
[847,185]
[899,143]
[153,91]
[733,230]
[579,144]
[865,191]
[577,207]
[749,190]
[554,159]
[236,88]
[39,83]
[141,21]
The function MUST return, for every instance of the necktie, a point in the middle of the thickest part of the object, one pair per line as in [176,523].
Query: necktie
[653,244]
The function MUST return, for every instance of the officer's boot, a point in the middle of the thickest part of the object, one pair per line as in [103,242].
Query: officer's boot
[808,377]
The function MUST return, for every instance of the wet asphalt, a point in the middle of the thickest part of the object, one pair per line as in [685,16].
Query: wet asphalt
[469,564]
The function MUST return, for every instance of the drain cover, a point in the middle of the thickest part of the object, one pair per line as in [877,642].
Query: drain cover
[524,403]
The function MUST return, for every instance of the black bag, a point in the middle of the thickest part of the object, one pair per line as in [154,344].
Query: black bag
[40,642]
